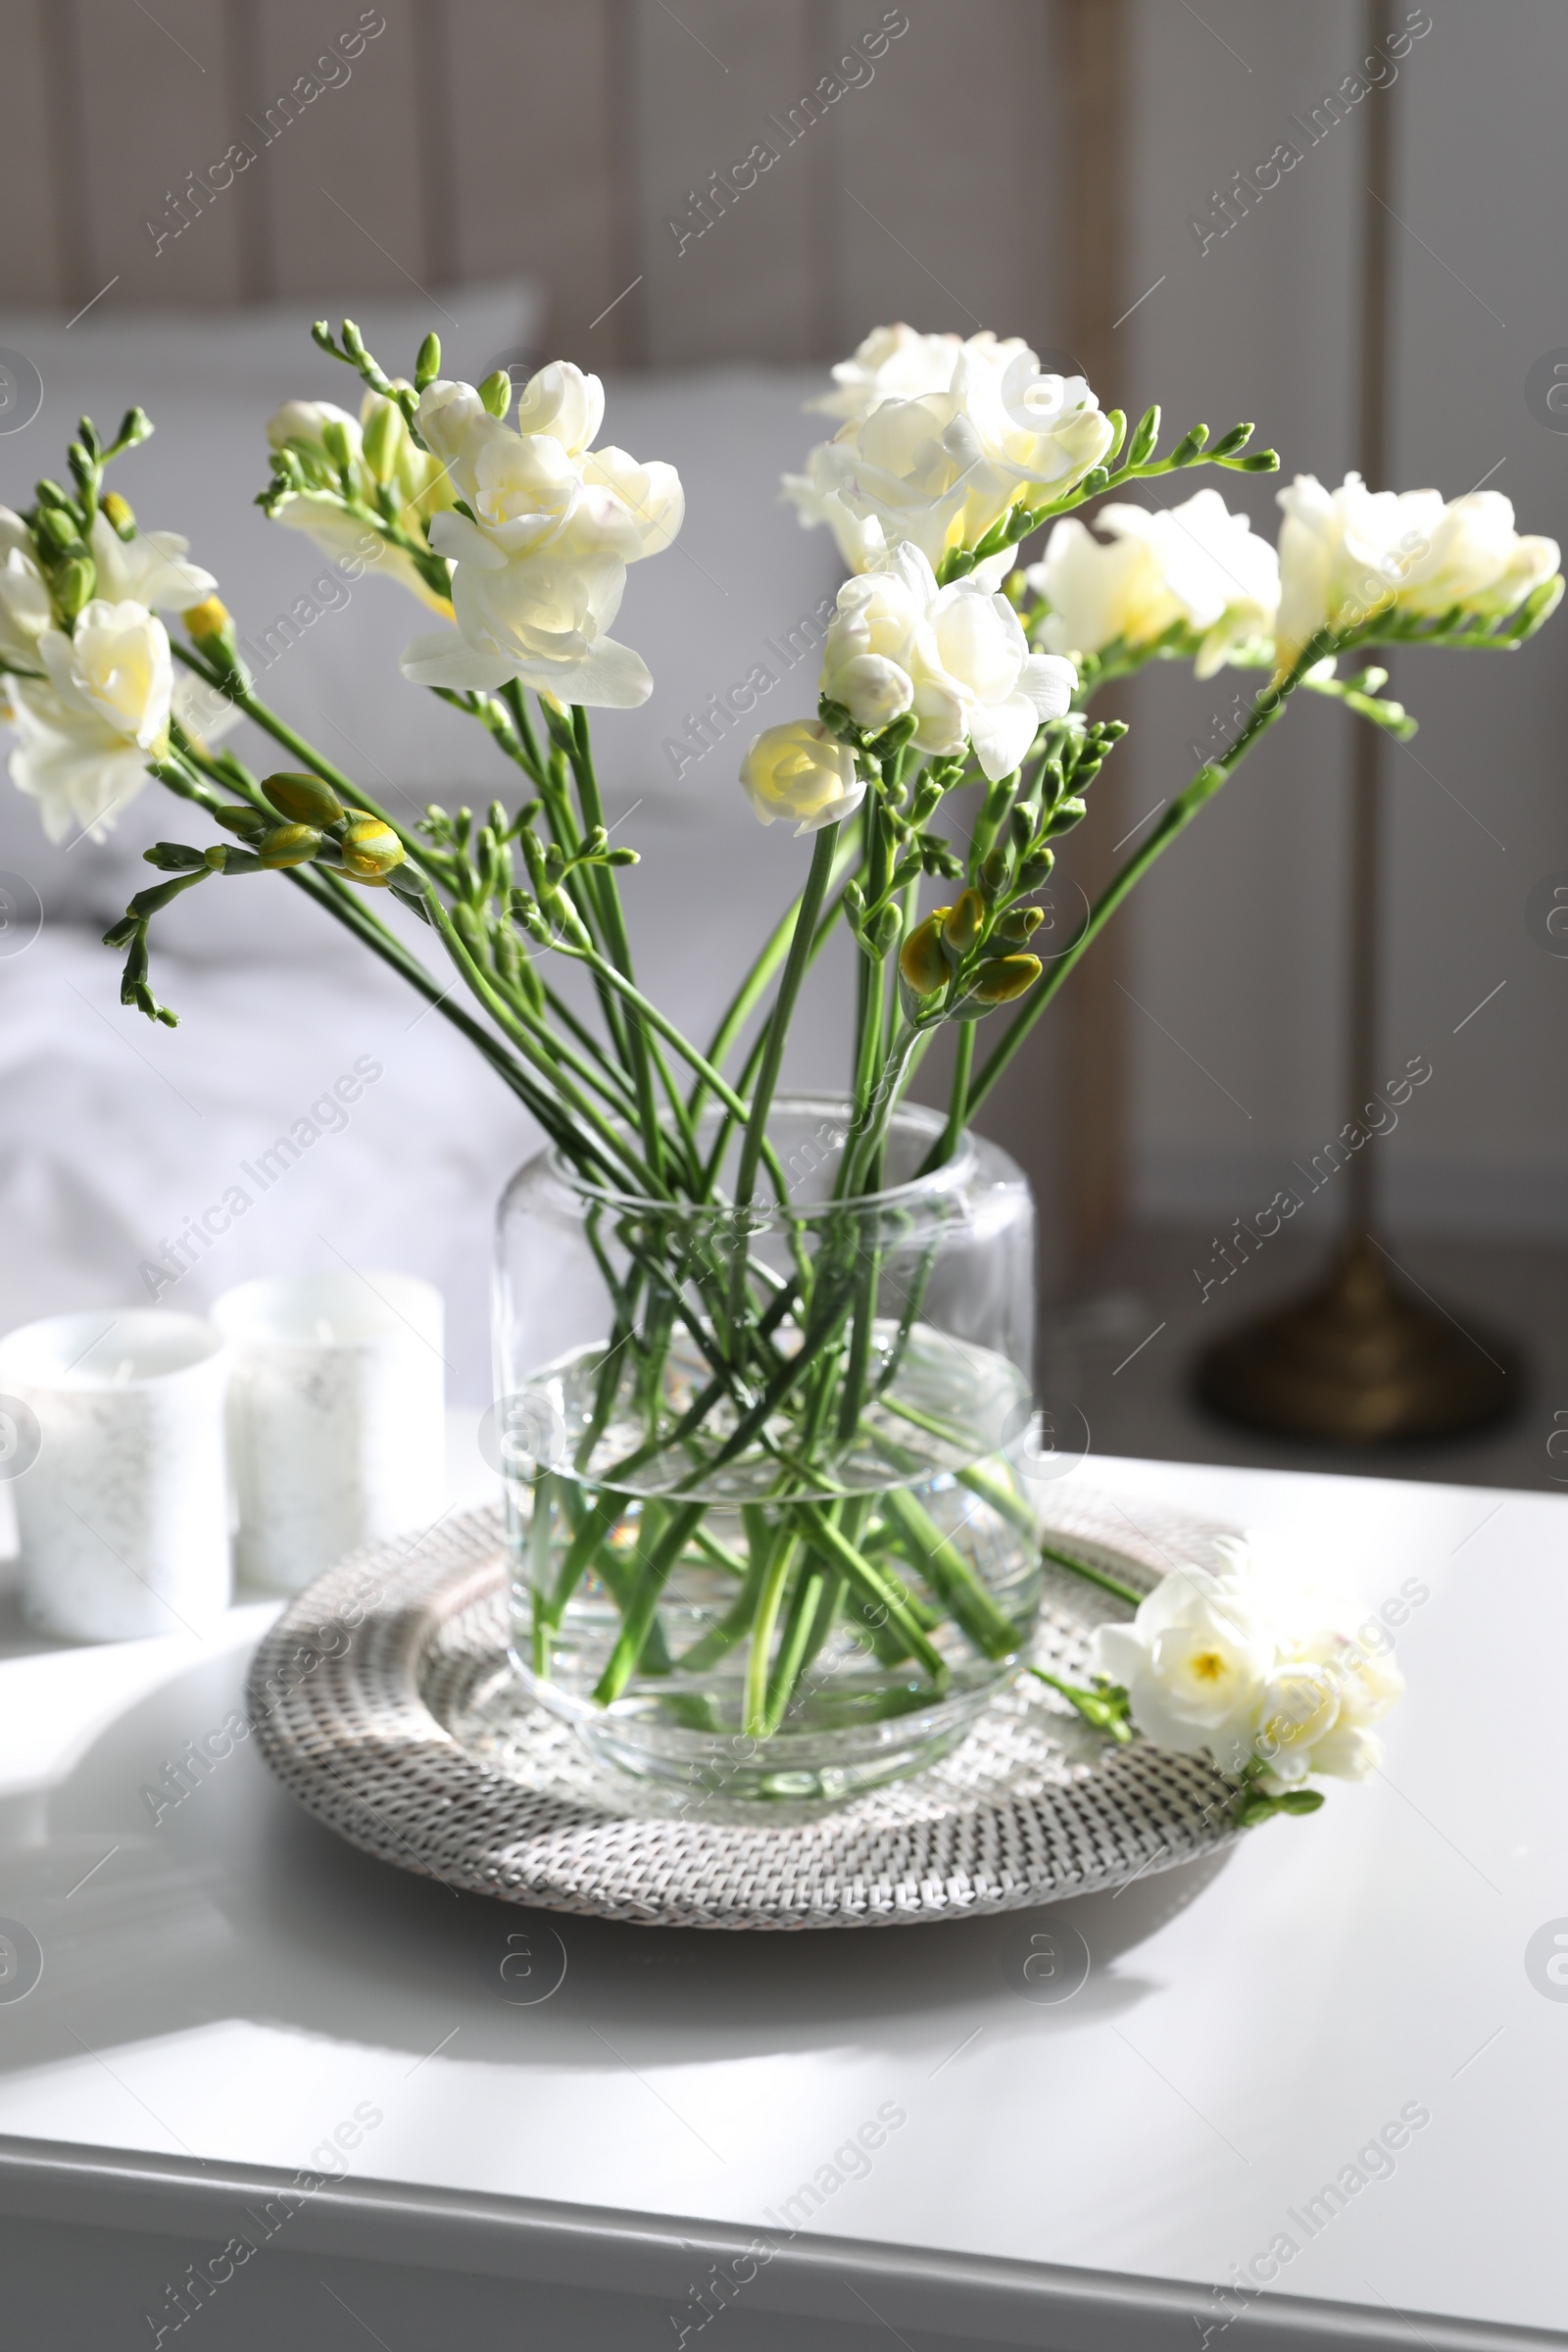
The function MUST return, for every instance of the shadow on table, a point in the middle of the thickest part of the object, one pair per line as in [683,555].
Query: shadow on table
[236,1903]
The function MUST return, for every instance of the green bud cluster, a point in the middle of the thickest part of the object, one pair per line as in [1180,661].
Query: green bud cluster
[1137,463]
[967,957]
[61,521]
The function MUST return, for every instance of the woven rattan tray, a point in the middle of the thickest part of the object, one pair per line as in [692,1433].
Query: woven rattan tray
[384,1701]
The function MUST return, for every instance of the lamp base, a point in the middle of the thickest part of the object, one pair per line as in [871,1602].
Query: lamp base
[1359,1361]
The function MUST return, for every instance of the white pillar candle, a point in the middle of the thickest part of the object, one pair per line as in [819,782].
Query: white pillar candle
[336,1427]
[123,1514]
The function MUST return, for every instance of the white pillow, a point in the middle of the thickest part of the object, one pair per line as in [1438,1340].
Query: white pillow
[210,381]
[743,586]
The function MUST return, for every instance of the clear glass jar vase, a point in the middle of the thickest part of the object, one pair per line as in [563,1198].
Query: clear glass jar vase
[770,1535]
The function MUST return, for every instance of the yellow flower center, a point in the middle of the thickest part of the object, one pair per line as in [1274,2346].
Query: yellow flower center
[1208,1666]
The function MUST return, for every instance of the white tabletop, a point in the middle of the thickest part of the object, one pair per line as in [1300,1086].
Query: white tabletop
[234,1983]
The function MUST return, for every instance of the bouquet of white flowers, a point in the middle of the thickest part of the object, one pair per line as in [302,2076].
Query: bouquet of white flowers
[760,1502]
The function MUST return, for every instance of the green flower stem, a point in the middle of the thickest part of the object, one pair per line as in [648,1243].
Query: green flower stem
[517,703]
[668,1544]
[824,851]
[1104,1713]
[579,886]
[341,901]
[227,684]
[562,1012]
[648,1011]
[717,1554]
[935,1556]
[853,1400]
[869,995]
[592,1068]
[958,1101]
[539,1524]
[884,1097]
[812,1605]
[786,1379]
[584,1548]
[753,1062]
[348,906]
[873,1586]
[754,987]
[1265,711]
[741,1617]
[1093,1575]
[779,1564]
[511,1021]
[620,946]
[915,1299]
[1001,1495]
[849,1517]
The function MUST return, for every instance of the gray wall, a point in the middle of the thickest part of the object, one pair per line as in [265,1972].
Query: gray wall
[478,138]
[1238,939]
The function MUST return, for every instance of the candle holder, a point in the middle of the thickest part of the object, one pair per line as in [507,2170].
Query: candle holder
[336,1427]
[122,1512]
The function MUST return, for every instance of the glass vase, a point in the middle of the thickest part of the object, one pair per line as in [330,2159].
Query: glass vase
[770,1534]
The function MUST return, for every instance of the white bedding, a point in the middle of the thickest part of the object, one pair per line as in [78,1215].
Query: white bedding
[114,1133]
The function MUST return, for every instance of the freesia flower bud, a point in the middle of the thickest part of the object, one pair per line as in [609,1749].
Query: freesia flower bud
[370,848]
[289,845]
[1000,982]
[117,513]
[249,823]
[75,583]
[496,392]
[302,799]
[920,959]
[210,623]
[383,434]
[965,921]
[798,770]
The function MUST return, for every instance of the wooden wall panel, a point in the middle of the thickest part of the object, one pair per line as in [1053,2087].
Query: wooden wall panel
[35,261]
[728,268]
[1093,52]
[154,115]
[343,182]
[930,232]
[559,139]
[538,170]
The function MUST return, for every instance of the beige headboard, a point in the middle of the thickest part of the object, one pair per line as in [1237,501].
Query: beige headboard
[483,139]
[200,153]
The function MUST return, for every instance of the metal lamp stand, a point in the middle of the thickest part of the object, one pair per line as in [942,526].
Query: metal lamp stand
[1362,1360]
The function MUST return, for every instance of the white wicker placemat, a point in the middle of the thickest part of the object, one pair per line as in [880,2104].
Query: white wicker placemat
[384,1701]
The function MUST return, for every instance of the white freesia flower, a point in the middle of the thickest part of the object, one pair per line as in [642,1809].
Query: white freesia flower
[25,611]
[1196,565]
[354,546]
[893,363]
[798,770]
[420,479]
[114,666]
[1366,1683]
[1254,1664]
[87,726]
[151,570]
[539,571]
[78,768]
[1297,1706]
[956,656]
[1195,1662]
[940,438]
[302,425]
[1349,554]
